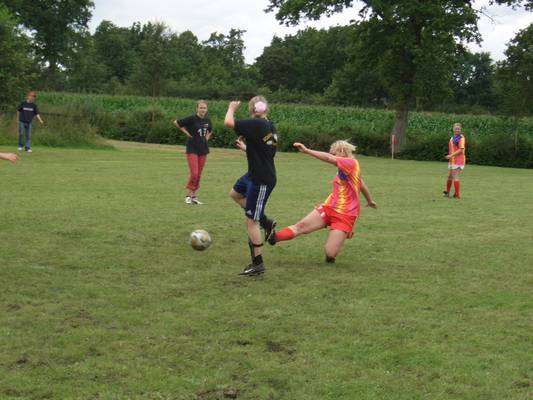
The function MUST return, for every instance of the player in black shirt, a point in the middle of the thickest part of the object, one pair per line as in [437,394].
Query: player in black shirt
[253,189]
[25,113]
[198,129]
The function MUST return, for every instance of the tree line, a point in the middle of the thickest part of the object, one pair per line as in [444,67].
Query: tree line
[402,54]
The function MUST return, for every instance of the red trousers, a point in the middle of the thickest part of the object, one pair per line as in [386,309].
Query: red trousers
[196,165]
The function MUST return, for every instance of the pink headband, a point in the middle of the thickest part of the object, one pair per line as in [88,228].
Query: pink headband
[260,107]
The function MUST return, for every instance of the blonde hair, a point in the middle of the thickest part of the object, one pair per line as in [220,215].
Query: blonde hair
[252,103]
[343,147]
[200,102]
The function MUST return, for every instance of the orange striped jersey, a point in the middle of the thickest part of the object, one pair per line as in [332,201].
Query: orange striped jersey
[346,187]
[457,142]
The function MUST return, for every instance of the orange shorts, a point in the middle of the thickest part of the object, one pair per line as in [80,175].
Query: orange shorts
[337,221]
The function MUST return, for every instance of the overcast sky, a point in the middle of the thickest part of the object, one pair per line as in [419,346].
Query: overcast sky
[205,17]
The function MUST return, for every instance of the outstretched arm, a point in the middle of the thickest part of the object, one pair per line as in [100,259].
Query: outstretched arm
[229,120]
[321,155]
[368,197]
[9,157]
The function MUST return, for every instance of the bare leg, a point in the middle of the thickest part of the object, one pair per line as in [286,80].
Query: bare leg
[334,243]
[310,223]
[254,234]
[238,198]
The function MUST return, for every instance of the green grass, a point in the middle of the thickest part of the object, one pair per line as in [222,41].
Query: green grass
[101,296]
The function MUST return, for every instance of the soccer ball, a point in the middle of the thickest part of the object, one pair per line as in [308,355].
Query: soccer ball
[200,239]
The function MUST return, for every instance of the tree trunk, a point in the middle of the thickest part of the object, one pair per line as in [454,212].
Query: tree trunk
[400,127]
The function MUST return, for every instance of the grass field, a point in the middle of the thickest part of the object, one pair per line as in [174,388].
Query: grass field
[101,296]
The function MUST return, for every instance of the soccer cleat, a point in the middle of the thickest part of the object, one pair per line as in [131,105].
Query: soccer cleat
[445,194]
[29,151]
[188,200]
[269,226]
[20,148]
[253,270]
[456,196]
[195,200]
[272,237]
[330,260]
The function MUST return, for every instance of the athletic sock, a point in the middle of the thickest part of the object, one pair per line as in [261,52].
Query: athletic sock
[284,234]
[448,185]
[456,185]
[258,260]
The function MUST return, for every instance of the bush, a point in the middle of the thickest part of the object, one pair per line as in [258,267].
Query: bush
[62,128]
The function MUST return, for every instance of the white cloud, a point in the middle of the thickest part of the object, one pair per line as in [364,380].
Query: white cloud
[205,17]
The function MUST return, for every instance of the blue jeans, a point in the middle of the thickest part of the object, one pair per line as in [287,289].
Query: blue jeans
[24,133]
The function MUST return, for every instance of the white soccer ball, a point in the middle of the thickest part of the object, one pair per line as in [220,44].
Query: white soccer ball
[200,239]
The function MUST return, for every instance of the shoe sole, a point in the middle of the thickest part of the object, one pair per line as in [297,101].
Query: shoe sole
[255,273]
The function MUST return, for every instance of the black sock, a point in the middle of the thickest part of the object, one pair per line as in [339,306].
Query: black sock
[258,260]
[263,220]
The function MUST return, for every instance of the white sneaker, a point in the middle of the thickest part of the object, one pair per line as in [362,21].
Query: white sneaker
[188,200]
[29,151]
[195,200]
[20,148]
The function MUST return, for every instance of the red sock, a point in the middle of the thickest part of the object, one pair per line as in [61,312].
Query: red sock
[456,185]
[284,234]
[448,185]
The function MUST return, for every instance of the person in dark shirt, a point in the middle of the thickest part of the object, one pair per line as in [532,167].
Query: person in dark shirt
[252,190]
[198,129]
[25,113]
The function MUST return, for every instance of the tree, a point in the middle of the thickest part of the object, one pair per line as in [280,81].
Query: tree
[153,65]
[54,24]
[305,61]
[115,48]
[515,75]
[410,42]
[16,66]
[473,80]
[528,4]
[85,72]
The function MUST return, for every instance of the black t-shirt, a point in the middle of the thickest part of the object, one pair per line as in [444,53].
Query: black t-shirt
[261,141]
[27,111]
[198,128]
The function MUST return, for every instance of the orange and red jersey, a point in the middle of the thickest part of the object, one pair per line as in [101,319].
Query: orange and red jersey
[457,142]
[346,188]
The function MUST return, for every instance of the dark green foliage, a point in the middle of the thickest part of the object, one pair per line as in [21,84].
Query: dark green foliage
[57,26]
[16,67]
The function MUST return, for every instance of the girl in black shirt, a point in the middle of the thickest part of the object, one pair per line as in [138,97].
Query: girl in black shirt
[198,129]
[252,190]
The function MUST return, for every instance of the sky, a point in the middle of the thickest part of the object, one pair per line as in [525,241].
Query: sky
[204,17]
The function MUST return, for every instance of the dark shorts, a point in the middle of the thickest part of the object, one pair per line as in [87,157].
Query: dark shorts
[256,196]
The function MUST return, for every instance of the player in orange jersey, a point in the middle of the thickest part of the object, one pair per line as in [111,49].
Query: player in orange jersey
[341,208]
[456,161]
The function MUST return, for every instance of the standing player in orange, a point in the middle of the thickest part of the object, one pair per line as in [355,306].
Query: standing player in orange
[198,129]
[456,161]
[341,208]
